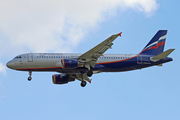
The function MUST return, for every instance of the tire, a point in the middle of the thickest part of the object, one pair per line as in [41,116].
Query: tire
[83,83]
[29,78]
[90,73]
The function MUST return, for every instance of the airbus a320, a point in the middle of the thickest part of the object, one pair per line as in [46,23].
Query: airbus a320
[71,66]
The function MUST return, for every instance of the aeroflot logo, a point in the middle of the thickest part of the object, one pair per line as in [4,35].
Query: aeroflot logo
[154,43]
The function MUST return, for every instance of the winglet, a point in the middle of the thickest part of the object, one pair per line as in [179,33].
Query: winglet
[119,34]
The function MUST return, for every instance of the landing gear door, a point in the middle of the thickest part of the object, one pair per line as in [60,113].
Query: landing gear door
[139,59]
[30,57]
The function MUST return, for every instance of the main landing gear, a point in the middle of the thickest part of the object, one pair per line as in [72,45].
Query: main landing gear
[83,83]
[90,73]
[30,78]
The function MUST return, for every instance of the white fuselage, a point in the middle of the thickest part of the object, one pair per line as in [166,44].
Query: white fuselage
[53,60]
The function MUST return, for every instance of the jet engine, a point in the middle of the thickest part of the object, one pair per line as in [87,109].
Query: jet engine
[61,79]
[69,63]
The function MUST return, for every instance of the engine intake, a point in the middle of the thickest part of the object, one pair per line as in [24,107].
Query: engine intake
[61,79]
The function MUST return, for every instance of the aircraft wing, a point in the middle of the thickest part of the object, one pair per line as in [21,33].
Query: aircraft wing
[90,57]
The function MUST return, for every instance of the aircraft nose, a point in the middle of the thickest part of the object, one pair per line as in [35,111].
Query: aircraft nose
[10,64]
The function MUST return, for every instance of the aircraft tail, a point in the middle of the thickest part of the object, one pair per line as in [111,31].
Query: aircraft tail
[156,45]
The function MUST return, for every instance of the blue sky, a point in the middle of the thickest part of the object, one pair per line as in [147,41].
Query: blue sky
[150,93]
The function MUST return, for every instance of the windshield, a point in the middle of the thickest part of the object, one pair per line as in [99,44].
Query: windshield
[18,57]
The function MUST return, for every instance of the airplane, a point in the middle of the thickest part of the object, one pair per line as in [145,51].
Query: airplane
[71,66]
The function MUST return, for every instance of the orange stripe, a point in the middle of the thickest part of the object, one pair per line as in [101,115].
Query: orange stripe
[55,79]
[154,47]
[63,63]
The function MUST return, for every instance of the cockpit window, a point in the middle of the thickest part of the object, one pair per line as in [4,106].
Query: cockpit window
[18,57]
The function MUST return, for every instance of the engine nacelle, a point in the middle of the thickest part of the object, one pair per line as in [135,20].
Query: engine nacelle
[61,79]
[69,63]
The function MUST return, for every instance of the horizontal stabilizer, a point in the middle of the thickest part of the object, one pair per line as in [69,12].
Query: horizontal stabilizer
[162,55]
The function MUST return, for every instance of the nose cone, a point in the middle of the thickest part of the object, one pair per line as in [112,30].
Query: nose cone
[10,64]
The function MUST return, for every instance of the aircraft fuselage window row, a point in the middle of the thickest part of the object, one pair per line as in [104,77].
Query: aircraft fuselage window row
[77,56]
[18,57]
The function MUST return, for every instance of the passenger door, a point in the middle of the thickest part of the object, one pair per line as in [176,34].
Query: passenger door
[30,57]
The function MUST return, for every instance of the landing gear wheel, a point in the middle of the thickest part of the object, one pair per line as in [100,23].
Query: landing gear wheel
[90,73]
[83,83]
[29,78]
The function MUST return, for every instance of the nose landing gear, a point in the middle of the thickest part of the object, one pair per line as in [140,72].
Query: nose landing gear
[30,78]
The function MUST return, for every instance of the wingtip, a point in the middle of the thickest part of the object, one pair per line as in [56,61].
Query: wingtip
[119,34]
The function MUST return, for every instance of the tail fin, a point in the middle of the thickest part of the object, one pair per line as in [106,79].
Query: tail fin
[156,45]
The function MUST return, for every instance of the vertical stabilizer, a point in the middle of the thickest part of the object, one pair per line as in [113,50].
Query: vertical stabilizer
[156,45]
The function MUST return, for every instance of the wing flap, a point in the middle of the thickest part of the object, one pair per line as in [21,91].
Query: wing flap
[84,76]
